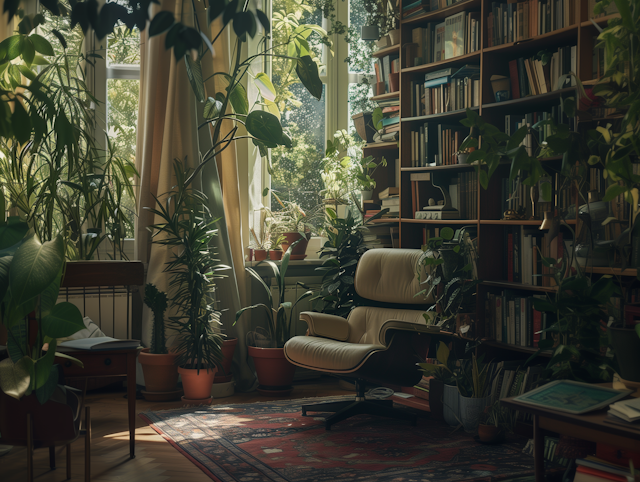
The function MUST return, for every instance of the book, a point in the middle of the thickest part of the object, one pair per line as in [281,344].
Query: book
[438,53]
[454,35]
[628,410]
[100,343]
[390,191]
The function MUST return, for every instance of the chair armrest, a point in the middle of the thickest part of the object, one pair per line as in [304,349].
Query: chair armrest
[388,327]
[327,326]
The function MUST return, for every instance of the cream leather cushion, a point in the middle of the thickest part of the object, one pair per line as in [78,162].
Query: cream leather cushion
[365,330]
[389,275]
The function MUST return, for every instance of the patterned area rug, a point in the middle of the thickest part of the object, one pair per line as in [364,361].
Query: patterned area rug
[273,442]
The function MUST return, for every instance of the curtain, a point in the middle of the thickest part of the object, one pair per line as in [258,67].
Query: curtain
[168,129]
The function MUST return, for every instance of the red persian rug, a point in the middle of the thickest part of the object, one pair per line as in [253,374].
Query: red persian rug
[273,442]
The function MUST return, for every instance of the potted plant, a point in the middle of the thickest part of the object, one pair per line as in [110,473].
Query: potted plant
[474,386]
[276,240]
[275,373]
[188,230]
[158,364]
[495,422]
[295,225]
[444,375]
[260,245]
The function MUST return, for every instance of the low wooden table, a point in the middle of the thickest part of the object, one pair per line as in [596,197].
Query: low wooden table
[594,426]
[107,363]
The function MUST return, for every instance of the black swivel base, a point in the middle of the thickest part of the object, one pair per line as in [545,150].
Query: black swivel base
[348,408]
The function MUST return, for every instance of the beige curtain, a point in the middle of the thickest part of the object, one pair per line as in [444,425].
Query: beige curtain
[167,129]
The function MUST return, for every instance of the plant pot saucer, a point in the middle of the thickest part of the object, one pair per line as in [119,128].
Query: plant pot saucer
[275,391]
[161,396]
[200,401]
[298,256]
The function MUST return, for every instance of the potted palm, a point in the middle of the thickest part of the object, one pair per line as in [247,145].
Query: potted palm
[187,229]
[158,364]
[275,373]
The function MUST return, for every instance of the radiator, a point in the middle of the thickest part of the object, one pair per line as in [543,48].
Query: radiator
[109,308]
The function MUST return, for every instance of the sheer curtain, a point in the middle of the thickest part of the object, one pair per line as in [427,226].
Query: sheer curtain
[168,129]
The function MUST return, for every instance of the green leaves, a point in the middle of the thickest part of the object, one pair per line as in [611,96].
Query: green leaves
[64,320]
[161,23]
[267,90]
[264,126]
[194,73]
[307,71]
[15,379]
[212,108]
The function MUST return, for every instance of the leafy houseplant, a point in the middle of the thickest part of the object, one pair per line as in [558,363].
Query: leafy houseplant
[495,421]
[188,230]
[295,225]
[31,272]
[451,278]
[278,313]
[158,365]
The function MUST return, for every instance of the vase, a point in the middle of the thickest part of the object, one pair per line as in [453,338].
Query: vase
[470,409]
[299,249]
[197,386]
[228,348]
[450,405]
[626,346]
[274,371]
[160,374]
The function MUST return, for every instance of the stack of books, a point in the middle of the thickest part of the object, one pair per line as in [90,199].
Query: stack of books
[389,198]
[379,236]
[413,9]
[593,469]
[390,121]
[626,410]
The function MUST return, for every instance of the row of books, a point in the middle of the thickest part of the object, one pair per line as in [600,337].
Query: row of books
[535,137]
[514,21]
[513,319]
[390,121]
[446,90]
[594,469]
[384,67]
[381,236]
[436,144]
[524,248]
[413,9]
[459,34]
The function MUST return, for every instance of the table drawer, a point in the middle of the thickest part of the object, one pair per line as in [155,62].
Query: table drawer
[95,364]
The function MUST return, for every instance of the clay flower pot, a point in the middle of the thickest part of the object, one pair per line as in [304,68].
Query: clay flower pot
[259,254]
[197,386]
[275,372]
[160,371]
[228,348]
[300,249]
[275,254]
[490,433]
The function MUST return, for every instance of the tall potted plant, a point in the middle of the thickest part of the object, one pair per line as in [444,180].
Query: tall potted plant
[158,364]
[274,371]
[187,229]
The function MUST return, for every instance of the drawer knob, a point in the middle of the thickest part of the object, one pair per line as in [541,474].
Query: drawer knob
[107,361]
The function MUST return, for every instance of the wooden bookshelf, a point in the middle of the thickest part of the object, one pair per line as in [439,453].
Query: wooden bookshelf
[387,50]
[490,225]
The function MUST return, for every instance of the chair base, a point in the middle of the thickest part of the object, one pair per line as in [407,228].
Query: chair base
[360,406]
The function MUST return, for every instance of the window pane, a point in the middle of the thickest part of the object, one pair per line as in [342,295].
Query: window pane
[122,121]
[360,60]
[296,171]
[123,46]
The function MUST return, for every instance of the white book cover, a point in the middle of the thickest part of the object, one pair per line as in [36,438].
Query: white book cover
[454,34]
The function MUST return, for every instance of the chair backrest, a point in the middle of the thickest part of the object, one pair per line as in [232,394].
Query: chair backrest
[391,276]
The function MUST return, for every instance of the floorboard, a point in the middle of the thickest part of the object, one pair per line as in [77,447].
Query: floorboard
[155,459]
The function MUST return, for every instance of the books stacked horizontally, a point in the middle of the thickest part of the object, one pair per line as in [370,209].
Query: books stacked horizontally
[516,21]
[380,236]
[390,198]
[390,121]
[446,90]
[531,77]
[458,35]
[627,410]
[593,469]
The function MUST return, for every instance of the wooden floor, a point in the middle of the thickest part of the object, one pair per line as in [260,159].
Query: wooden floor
[155,460]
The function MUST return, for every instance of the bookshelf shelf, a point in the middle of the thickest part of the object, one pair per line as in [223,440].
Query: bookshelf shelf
[460,222]
[443,13]
[387,50]
[383,221]
[518,286]
[445,115]
[522,349]
[381,145]
[518,222]
[459,60]
[387,96]
[601,21]
[612,271]
[437,168]
[550,39]
[527,102]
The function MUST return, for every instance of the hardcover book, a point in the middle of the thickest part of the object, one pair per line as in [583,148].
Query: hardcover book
[438,51]
[454,35]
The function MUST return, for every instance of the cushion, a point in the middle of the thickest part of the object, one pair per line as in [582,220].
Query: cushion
[328,355]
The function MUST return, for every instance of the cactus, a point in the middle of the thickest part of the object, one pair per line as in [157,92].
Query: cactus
[157,301]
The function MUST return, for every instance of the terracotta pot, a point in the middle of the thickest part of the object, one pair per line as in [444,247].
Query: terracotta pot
[490,433]
[228,348]
[259,254]
[273,369]
[197,386]
[160,371]
[275,254]
[299,249]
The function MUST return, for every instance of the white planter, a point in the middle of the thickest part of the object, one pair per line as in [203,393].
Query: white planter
[450,405]
[366,195]
[470,410]
[224,389]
